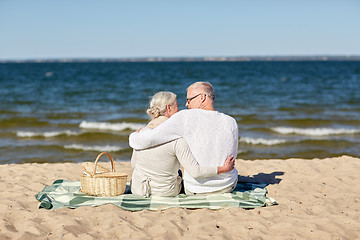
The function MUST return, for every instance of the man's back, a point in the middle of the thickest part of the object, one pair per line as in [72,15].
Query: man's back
[211,136]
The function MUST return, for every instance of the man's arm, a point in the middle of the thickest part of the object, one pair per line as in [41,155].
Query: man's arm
[133,160]
[236,138]
[187,160]
[167,131]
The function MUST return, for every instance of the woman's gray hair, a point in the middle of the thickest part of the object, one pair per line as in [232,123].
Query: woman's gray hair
[158,103]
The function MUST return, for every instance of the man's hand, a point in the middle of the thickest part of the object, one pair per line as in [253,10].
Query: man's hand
[229,165]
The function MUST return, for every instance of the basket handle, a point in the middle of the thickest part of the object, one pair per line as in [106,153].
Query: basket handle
[97,159]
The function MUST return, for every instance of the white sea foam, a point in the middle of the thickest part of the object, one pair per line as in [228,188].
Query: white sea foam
[315,131]
[240,151]
[106,148]
[263,141]
[45,134]
[110,126]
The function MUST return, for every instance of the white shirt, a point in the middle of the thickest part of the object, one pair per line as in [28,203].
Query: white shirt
[211,136]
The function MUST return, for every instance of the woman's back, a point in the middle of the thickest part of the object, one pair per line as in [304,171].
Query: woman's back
[156,171]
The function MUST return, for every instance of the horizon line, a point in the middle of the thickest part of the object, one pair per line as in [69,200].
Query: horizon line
[191,59]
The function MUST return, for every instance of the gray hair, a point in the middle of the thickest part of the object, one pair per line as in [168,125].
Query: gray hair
[158,103]
[204,86]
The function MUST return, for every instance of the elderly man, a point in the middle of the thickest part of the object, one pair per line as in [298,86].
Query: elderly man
[211,136]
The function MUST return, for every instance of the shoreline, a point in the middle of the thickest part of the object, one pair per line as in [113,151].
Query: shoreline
[318,199]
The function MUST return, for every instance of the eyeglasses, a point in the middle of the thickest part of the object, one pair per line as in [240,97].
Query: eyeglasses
[188,100]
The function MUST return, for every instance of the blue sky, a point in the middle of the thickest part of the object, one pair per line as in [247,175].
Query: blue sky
[114,29]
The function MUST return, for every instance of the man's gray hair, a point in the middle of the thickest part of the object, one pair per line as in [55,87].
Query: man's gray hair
[158,103]
[206,87]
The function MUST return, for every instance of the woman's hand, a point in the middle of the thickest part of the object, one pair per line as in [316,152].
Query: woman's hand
[229,165]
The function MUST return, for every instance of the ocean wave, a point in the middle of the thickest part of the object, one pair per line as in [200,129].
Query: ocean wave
[110,126]
[45,134]
[315,131]
[106,148]
[263,141]
[240,151]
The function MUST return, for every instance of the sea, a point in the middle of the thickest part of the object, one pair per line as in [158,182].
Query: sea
[71,111]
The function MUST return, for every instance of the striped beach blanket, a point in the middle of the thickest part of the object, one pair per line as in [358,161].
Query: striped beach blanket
[63,193]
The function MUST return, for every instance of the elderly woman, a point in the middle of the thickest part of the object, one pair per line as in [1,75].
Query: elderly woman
[155,170]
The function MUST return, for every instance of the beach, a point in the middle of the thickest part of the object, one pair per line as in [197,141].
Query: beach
[318,199]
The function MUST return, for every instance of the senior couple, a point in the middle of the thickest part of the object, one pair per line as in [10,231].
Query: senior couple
[201,139]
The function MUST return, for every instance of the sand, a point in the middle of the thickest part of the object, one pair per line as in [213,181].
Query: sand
[318,199]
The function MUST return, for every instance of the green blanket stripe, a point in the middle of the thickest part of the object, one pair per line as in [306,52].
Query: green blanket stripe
[63,193]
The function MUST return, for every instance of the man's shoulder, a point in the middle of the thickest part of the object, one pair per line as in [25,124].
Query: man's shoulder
[188,114]
[230,118]
[230,121]
[199,111]
[195,113]
[226,115]
[187,111]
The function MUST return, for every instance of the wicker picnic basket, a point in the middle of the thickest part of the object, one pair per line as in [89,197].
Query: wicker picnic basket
[100,181]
